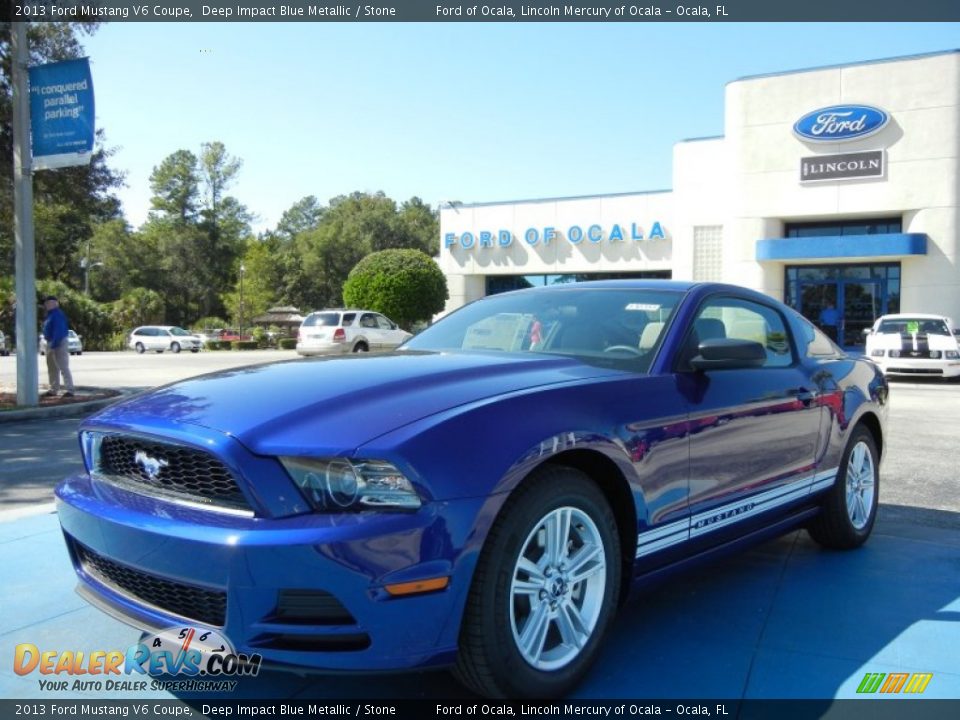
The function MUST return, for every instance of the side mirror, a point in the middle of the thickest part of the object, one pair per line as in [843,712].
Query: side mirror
[728,354]
[867,331]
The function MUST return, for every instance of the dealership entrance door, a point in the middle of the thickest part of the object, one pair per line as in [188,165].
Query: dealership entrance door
[843,300]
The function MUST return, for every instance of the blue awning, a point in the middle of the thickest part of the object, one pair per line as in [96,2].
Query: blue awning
[842,246]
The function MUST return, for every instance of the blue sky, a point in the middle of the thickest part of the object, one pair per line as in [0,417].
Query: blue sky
[469,112]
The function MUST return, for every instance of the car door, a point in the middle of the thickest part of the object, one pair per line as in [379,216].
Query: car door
[391,336]
[753,431]
[370,329]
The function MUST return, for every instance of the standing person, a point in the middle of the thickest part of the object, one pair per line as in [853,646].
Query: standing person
[58,351]
[829,319]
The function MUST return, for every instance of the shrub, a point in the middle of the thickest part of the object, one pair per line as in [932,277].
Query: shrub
[287,343]
[244,344]
[405,285]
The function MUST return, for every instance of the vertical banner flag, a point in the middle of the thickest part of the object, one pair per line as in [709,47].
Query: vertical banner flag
[61,114]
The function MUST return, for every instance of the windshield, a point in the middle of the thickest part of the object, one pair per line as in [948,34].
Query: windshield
[329,319]
[909,326]
[178,331]
[607,326]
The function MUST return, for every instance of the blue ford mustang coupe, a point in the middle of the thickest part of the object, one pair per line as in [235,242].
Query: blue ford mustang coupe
[484,497]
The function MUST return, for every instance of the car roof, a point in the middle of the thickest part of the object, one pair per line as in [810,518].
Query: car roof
[914,316]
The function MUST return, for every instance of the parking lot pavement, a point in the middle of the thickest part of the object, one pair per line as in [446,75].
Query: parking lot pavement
[785,620]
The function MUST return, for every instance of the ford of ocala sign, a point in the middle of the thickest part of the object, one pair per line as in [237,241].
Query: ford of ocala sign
[841,122]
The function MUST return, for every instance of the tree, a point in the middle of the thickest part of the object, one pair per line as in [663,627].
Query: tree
[89,319]
[406,285]
[197,230]
[303,215]
[316,262]
[175,184]
[261,281]
[139,306]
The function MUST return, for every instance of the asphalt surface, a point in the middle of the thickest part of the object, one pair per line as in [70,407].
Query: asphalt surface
[784,620]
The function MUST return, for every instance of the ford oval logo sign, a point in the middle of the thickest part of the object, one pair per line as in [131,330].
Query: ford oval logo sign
[841,122]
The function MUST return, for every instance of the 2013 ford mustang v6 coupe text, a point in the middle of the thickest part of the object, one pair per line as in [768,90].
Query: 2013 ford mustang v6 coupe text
[485,496]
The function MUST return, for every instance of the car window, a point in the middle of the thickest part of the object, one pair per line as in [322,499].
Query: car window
[178,331]
[736,318]
[814,342]
[368,320]
[348,319]
[383,323]
[325,319]
[609,327]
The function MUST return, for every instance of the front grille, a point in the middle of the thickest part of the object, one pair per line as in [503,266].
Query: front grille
[167,469]
[310,607]
[194,603]
[915,371]
[916,354]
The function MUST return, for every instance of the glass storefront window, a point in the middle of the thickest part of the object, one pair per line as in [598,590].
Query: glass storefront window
[497,284]
[878,226]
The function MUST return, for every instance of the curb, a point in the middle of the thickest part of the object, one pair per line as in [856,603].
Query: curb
[69,410]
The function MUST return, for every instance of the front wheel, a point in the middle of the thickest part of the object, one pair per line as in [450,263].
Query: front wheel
[850,507]
[175,347]
[545,589]
[139,348]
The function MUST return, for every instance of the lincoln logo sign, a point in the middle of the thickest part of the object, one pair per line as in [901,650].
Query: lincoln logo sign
[841,122]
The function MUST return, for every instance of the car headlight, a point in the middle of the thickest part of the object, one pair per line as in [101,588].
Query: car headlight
[876,353]
[90,447]
[894,353]
[952,355]
[339,484]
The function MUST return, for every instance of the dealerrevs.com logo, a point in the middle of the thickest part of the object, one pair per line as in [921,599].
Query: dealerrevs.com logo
[202,660]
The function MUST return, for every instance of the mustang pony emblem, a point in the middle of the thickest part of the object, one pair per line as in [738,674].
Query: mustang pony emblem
[151,466]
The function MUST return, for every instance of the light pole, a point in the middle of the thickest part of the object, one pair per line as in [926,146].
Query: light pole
[86,265]
[242,271]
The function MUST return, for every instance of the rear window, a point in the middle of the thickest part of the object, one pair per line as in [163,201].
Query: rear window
[327,319]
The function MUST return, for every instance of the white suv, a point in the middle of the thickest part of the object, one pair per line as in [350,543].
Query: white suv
[334,332]
[163,337]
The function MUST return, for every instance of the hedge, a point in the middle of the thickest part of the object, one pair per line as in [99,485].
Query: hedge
[288,343]
[244,345]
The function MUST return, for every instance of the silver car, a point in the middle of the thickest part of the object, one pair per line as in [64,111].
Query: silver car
[163,337]
[74,344]
[334,332]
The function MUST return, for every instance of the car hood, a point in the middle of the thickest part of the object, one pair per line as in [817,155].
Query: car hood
[896,341]
[334,405]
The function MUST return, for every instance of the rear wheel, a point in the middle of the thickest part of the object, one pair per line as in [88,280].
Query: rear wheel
[360,347]
[850,506]
[544,591]
[139,348]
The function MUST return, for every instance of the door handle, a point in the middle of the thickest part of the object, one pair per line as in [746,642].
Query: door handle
[805,396]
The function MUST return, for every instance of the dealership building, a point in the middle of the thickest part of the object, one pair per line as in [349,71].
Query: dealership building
[831,186]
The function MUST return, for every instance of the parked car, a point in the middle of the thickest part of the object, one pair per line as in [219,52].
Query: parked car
[163,337]
[485,496]
[74,344]
[4,350]
[334,332]
[912,344]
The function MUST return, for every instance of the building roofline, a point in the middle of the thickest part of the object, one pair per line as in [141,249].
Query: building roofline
[454,205]
[877,61]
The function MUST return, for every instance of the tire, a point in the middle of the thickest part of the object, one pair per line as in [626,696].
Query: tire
[175,348]
[850,507]
[139,348]
[361,347]
[194,350]
[511,638]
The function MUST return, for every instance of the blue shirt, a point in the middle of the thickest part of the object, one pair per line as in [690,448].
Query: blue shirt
[55,328]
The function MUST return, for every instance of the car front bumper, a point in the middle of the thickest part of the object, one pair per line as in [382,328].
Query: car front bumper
[909,367]
[157,565]
[322,348]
